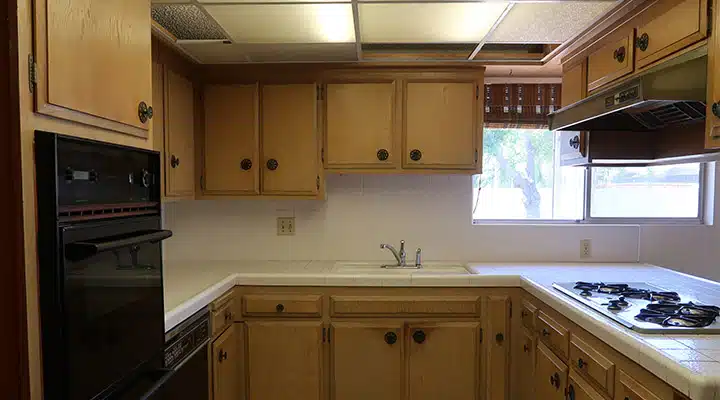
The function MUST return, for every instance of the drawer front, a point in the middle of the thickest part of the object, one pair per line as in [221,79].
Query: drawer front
[579,389]
[408,305]
[550,375]
[528,314]
[280,305]
[667,27]
[222,316]
[592,364]
[553,334]
[610,62]
[629,388]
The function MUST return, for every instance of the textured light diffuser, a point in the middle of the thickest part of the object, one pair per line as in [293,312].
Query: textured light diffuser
[186,22]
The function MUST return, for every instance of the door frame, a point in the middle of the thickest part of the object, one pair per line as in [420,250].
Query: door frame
[14,373]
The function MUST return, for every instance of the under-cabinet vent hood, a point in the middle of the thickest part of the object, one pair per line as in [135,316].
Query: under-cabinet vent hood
[670,94]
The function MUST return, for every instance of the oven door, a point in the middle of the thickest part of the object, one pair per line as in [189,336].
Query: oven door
[112,297]
[190,378]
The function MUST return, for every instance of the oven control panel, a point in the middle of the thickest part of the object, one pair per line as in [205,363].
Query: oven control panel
[184,343]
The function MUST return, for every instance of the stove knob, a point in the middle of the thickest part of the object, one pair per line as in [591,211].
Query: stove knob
[613,306]
[585,293]
[622,302]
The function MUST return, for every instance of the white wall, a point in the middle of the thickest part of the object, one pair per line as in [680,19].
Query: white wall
[432,212]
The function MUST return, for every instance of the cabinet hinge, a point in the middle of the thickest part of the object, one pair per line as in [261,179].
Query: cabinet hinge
[317,182]
[32,73]
[322,155]
[510,310]
[481,335]
[202,182]
[476,156]
[320,94]
[477,92]
[709,18]
[324,335]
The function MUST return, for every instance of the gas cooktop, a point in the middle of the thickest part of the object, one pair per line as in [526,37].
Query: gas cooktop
[644,307]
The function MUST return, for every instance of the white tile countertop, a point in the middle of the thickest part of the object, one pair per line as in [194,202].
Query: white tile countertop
[690,363]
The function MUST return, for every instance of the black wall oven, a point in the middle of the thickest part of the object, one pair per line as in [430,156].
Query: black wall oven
[100,268]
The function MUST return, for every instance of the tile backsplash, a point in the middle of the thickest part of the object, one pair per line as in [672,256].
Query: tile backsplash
[362,211]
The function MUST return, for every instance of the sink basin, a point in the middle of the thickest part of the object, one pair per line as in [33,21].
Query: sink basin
[376,268]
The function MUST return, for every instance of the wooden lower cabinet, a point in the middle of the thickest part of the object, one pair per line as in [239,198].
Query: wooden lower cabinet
[285,360]
[227,379]
[550,375]
[525,368]
[367,360]
[497,347]
[579,389]
[628,388]
[443,360]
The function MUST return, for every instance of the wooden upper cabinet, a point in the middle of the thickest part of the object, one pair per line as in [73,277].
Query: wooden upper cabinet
[285,360]
[227,382]
[367,360]
[94,62]
[443,360]
[158,121]
[360,125]
[231,156]
[290,140]
[712,113]
[179,137]
[668,26]
[442,125]
[550,375]
[574,84]
[498,343]
[611,61]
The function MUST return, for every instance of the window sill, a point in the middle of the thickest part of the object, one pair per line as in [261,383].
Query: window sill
[692,222]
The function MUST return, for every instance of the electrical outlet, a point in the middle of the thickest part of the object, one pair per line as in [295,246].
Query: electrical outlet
[586,248]
[286,226]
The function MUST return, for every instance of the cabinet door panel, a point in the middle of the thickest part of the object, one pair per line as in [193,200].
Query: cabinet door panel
[367,360]
[628,388]
[498,341]
[285,360]
[550,375]
[360,123]
[290,138]
[231,139]
[712,120]
[574,84]
[441,125]
[98,60]
[525,368]
[444,361]
[578,389]
[227,361]
[612,61]
[179,137]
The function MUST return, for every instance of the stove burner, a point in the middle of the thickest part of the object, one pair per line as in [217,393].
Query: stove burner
[682,315]
[585,293]
[624,290]
[622,302]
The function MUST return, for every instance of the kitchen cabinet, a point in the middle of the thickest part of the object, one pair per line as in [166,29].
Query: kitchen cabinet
[712,112]
[550,375]
[360,124]
[443,360]
[442,124]
[94,62]
[498,343]
[525,368]
[611,61]
[227,360]
[179,154]
[285,360]
[668,26]
[231,147]
[592,364]
[628,388]
[579,389]
[290,141]
[574,84]
[367,360]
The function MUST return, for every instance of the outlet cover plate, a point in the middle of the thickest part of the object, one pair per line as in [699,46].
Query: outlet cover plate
[585,248]
[286,226]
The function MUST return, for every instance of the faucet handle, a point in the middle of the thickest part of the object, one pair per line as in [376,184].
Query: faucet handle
[402,245]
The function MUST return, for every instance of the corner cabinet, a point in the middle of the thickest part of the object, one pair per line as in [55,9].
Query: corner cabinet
[179,151]
[93,62]
[227,360]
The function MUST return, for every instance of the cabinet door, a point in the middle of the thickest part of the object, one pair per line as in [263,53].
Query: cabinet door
[290,145]
[285,360]
[360,125]
[442,125]
[579,389]
[525,367]
[498,329]
[231,139]
[158,121]
[227,382]
[367,360]
[95,56]
[574,84]
[444,361]
[179,137]
[611,61]
[668,26]
[628,388]
[550,375]
[712,119]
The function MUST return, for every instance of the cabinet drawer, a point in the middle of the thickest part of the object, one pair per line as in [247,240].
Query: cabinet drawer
[222,315]
[591,363]
[668,26]
[528,314]
[612,61]
[374,305]
[578,389]
[629,388]
[550,375]
[553,334]
[302,305]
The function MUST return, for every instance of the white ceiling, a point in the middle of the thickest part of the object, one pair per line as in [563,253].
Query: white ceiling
[325,30]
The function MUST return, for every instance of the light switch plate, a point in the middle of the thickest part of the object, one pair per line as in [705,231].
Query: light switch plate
[286,226]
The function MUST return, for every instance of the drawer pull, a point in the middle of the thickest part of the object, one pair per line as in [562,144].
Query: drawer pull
[716,109]
[643,41]
[272,164]
[581,363]
[222,356]
[174,161]
[523,313]
[575,142]
[280,308]
[246,164]
[228,316]
[415,155]
[390,337]
[145,112]
[526,348]
[383,155]
[545,332]
[555,380]
[499,338]
[419,337]
[619,54]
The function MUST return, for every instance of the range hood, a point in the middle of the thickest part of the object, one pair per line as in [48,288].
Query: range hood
[670,94]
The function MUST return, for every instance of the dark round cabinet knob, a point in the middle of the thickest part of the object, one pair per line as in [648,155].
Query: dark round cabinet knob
[643,41]
[246,164]
[383,155]
[555,380]
[619,54]
[716,109]
[499,338]
[272,164]
[419,336]
[280,308]
[575,142]
[145,112]
[174,161]
[580,363]
[390,337]
[415,155]
[545,332]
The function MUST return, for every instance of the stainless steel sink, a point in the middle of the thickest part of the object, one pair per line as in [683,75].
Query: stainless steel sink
[360,268]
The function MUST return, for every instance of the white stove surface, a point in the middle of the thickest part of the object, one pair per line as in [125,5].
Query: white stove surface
[626,316]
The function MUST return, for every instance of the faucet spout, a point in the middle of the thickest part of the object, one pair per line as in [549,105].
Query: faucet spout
[400,256]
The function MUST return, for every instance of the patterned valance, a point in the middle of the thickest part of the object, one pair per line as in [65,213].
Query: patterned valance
[520,105]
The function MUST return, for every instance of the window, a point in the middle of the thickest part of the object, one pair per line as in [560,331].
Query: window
[523,180]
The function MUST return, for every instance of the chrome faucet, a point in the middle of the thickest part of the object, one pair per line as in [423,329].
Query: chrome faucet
[400,256]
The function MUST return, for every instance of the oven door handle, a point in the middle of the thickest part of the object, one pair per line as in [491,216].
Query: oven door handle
[81,250]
